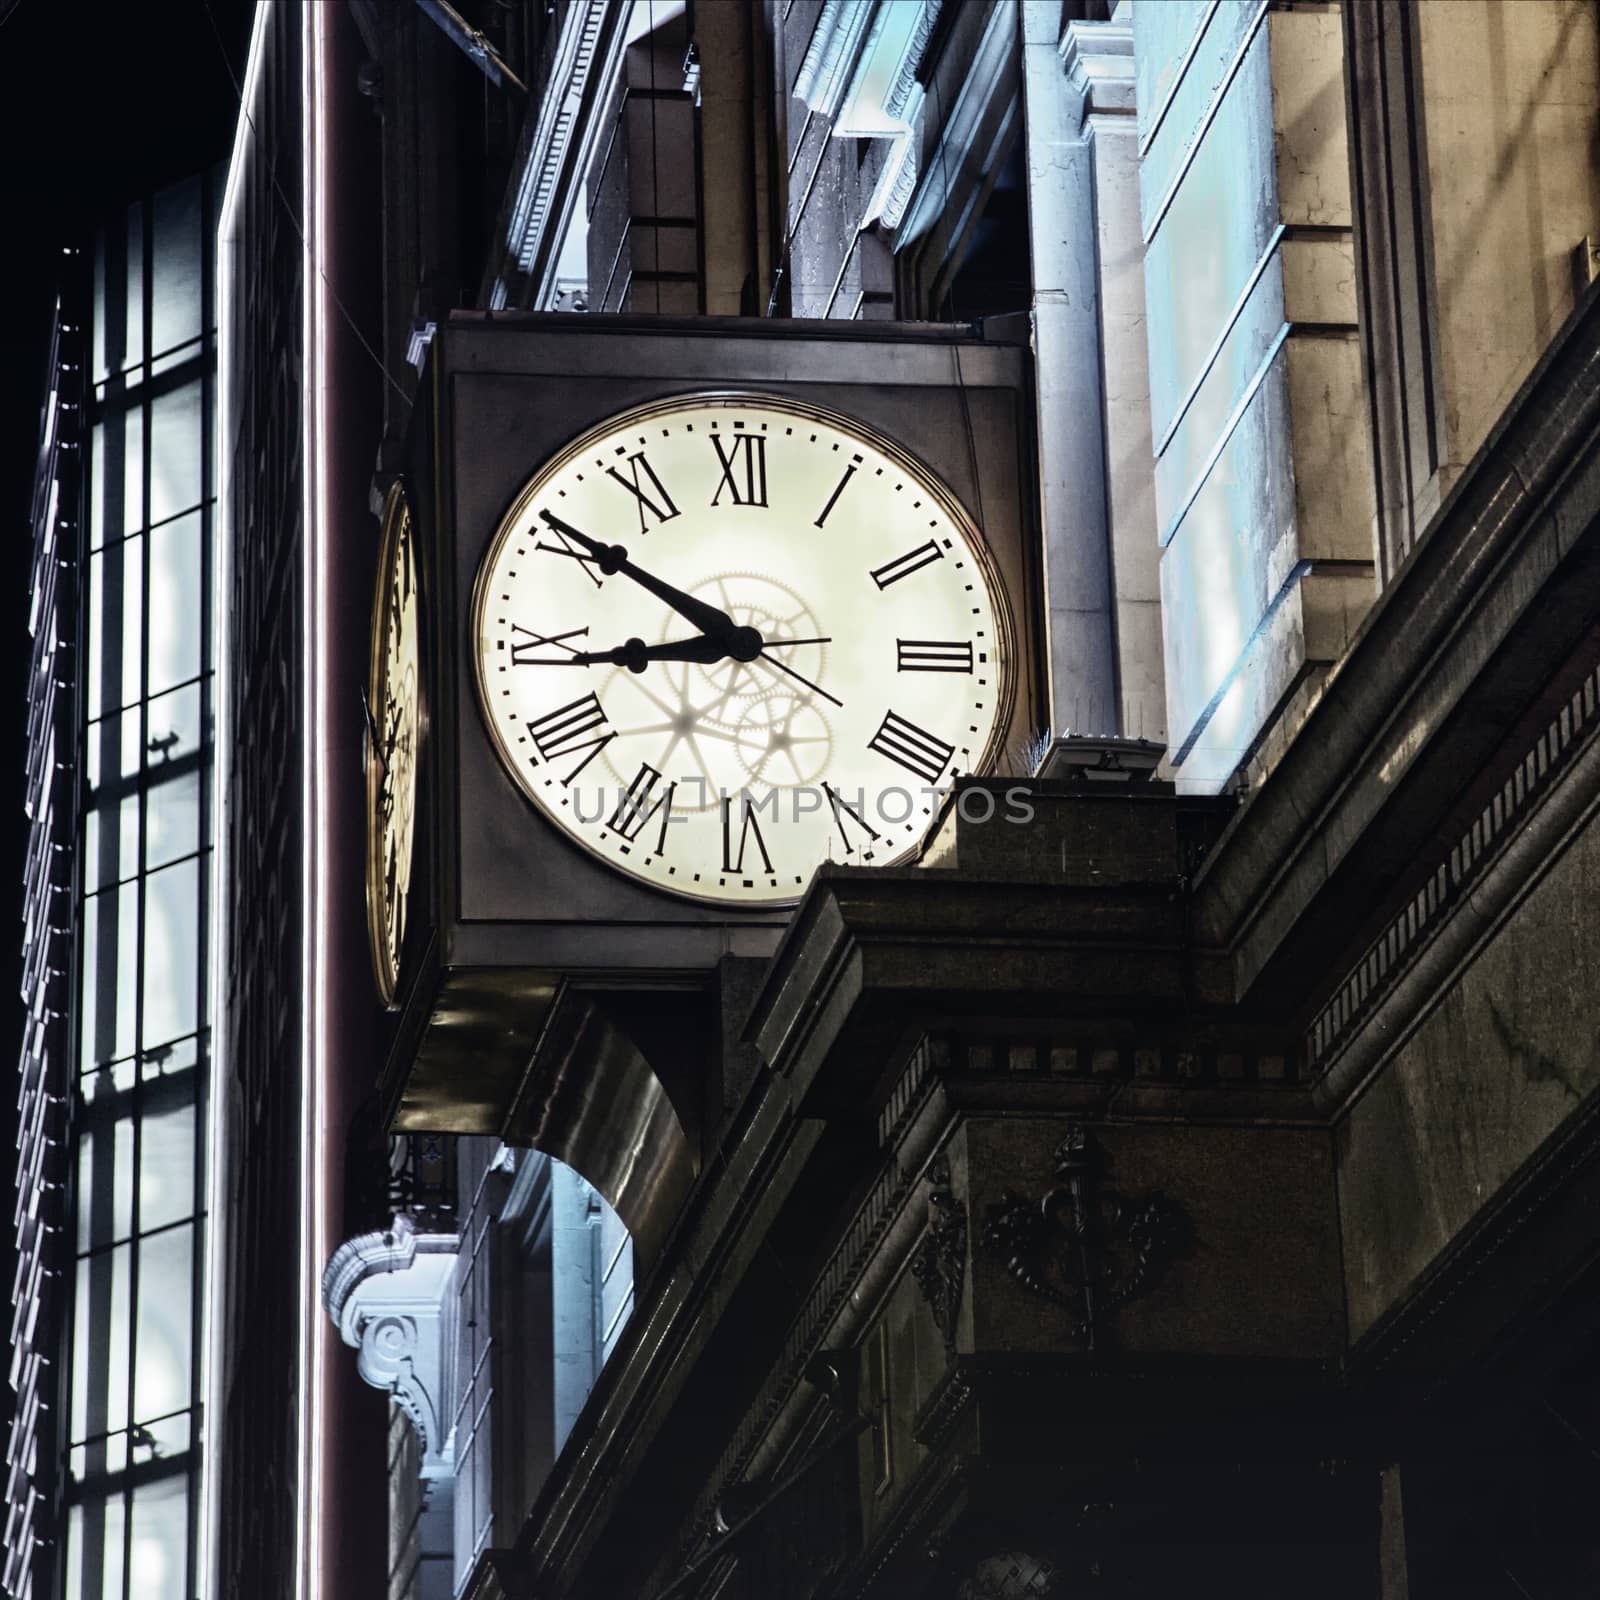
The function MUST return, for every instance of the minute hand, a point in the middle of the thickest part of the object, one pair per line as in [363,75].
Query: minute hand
[614,558]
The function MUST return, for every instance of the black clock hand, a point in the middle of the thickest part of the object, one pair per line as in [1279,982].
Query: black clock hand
[636,654]
[716,624]
[816,688]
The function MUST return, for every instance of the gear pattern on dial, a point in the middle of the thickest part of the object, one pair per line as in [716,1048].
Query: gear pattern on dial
[783,739]
[775,731]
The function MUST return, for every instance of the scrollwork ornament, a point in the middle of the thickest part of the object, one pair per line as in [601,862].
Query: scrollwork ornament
[1084,1247]
[939,1265]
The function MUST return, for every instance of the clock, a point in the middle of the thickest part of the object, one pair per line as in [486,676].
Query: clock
[392,741]
[723,638]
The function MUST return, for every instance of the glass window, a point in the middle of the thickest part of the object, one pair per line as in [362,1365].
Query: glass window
[131,513]
[97,612]
[171,951]
[175,297]
[105,1171]
[166,1167]
[133,347]
[176,612]
[110,956]
[94,1550]
[172,820]
[165,1332]
[100,1346]
[175,452]
[159,1545]
[111,843]
[132,557]
[166,1060]
[174,723]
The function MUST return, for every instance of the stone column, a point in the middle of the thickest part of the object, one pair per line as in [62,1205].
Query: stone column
[1097,58]
[1066,337]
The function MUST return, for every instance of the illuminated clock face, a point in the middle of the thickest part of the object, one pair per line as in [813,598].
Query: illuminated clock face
[723,639]
[393,740]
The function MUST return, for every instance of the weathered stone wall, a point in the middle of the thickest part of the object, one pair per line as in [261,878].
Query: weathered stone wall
[1499,1065]
[1511,96]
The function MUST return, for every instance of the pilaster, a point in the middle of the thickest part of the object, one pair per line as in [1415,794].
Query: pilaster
[1263,482]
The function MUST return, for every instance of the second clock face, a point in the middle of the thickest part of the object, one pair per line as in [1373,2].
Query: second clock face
[723,639]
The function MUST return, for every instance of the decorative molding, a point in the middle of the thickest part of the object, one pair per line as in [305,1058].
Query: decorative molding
[1084,1247]
[994,74]
[825,69]
[943,1409]
[1413,929]
[385,1292]
[548,149]
[940,1262]
[1097,61]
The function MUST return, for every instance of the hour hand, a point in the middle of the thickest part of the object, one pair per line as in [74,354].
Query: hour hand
[635,655]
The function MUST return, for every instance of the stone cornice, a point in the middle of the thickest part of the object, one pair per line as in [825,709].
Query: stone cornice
[1097,59]
[548,163]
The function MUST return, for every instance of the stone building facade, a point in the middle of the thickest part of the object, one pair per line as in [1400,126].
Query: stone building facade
[1194,1186]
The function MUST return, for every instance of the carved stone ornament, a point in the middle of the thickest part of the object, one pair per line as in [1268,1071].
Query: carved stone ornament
[386,1292]
[940,1262]
[1014,1575]
[1083,1246]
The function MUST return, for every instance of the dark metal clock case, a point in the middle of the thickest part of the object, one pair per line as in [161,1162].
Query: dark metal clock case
[515,907]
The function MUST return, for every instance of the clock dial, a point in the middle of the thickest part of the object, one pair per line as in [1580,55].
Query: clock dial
[723,639]
[392,743]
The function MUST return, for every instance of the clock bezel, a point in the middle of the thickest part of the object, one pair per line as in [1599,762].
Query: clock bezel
[399,521]
[906,460]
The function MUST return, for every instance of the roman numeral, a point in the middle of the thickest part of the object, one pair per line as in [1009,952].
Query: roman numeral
[841,809]
[567,730]
[522,650]
[838,489]
[744,458]
[904,566]
[933,655]
[569,547]
[911,747]
[647,497]
[747,826]
[634,809]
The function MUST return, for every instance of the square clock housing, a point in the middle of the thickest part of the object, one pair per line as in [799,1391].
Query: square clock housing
[702,605]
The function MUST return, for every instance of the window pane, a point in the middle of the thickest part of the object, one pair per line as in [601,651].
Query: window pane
[166,1168]
[100,1349]
[171,951]
[175,288]
[172,820]
[126,433]
[110,983]
[111,840]
[166,1287]
[133,350]
[164,1060]
[100,369]
[176,615]
[174,723]
[175,449]
[94,1550]
[159,1553]
[96,633]
[132,617]
[105,1169]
